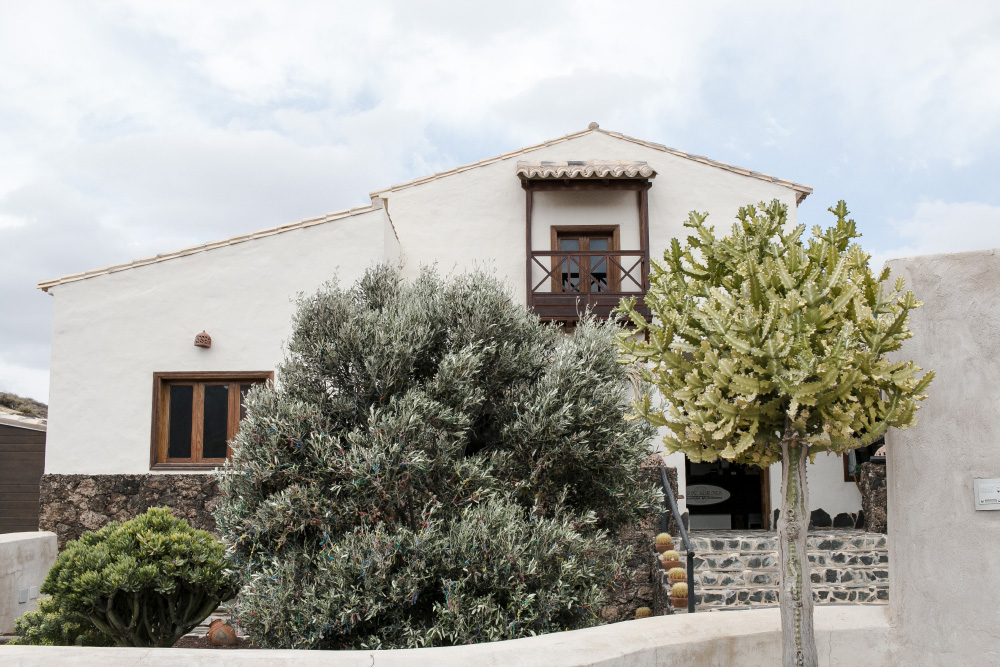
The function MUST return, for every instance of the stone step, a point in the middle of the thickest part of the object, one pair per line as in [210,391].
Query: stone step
[736,598]
[821,576]
[734,570]
[717,542]
[769,561]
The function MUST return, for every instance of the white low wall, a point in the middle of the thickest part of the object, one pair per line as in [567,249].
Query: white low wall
[853,636]
[25,559]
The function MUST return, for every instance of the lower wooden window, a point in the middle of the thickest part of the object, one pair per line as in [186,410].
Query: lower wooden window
[196,416]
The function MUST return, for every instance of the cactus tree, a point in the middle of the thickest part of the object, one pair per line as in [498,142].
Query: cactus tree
[770,348]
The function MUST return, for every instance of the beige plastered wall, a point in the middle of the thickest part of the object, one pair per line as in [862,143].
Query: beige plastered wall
[946,607]
[112,332]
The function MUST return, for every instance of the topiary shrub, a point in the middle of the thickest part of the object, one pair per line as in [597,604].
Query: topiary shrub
[144,582]
[435,466]
[51,625]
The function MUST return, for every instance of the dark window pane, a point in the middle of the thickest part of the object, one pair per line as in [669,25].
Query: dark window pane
[598,244]
[216,421]
[244,388]
[599,274]
[179,436]
[569,244]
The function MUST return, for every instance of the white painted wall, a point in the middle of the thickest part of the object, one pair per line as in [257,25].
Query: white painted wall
[827,489]
[846,636]
[112,332]
[476,217]
[25,559]
[951,616]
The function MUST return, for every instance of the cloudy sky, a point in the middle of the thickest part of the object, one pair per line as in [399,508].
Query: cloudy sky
[131,128]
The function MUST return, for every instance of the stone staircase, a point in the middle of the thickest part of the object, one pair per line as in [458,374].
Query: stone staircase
[739,569]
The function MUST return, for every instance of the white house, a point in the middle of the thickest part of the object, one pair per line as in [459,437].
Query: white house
[570,220]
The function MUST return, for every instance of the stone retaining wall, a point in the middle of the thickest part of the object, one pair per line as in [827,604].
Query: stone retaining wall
[641,588]
[73,504]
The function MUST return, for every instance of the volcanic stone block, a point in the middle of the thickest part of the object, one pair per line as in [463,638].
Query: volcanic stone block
[819,519]
[874,497]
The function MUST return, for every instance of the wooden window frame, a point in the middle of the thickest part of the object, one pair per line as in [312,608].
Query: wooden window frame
[586,231]
[158,459]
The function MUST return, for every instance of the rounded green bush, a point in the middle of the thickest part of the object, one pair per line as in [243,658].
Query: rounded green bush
[51,625]
[144,582]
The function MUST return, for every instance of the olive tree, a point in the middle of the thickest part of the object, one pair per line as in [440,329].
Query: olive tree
[767,347]
[435,466]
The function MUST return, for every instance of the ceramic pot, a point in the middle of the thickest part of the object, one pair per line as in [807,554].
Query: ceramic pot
[221,633]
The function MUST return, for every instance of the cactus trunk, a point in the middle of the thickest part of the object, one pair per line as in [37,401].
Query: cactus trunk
[796,602]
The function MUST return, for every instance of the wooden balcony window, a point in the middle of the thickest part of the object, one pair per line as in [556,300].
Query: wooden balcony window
[585,267]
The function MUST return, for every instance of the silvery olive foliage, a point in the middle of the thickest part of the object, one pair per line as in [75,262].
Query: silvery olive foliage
[434,466]
[144,582]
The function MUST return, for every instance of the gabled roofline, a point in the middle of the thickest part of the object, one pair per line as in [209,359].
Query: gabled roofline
[211,245]
[802,191]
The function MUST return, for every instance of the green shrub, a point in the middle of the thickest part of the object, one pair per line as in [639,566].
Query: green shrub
[435,466]
[144,582]
[51,625]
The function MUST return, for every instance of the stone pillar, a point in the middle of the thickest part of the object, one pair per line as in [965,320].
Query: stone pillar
[871,479]
[951,618]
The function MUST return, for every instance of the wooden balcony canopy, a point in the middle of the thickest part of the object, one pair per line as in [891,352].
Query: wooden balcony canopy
[575,280]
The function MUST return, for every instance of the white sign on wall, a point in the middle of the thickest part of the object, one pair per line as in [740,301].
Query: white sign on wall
[705,494]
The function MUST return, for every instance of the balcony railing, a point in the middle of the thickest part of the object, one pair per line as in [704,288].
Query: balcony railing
[563,284]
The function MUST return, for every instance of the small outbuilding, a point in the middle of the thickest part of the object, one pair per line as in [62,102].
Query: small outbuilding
[22,461]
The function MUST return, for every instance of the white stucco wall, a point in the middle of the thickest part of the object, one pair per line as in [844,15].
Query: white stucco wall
[931,467]
[112,332]
[847,636]
[476,217]
[827,489]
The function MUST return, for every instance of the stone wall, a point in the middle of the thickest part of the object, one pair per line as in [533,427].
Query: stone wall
[25,559]
[73,504]
[642,587]
[871,479]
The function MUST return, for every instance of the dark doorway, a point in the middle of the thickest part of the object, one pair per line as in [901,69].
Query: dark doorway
[727,496]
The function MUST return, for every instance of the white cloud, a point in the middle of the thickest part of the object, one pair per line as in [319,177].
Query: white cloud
[940,227]
[129,128]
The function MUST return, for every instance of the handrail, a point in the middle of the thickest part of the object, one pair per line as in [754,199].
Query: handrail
[669,493]
[566,261]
